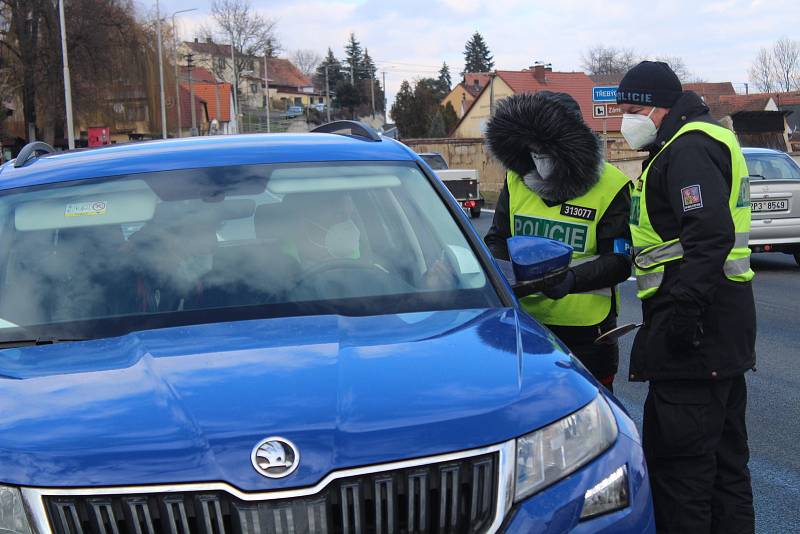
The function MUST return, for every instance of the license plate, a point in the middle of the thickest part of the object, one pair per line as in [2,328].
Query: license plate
[769,205]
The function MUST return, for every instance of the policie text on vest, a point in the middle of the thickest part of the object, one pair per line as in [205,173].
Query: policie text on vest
[572,234]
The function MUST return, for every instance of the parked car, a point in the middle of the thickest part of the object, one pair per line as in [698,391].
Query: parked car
[285,333]
[462,183]
[294,111]
[775,201]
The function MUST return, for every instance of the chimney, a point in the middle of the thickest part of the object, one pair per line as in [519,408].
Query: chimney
[540,72]
[196,40]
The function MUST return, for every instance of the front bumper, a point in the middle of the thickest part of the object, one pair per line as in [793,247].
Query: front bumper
[557,509]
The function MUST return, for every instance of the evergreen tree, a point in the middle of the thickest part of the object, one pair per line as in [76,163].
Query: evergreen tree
[354,57]
[403,111]
[450,118]
[477,57]
[368,69]
[335,74]
[445,82]
[437,130]
[347,96]
[418,112]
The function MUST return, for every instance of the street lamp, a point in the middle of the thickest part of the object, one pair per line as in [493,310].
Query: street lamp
[177,82]
[161,75]
[67,85]
[235,86]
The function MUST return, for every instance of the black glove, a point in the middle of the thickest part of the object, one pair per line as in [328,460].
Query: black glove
[562,288]
[685,328]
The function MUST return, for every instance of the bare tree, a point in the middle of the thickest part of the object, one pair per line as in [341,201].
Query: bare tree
[778,68]
[762,72]
[110,53]
[236,22]
[786,63]
[679,67]
[307,61]
[604,60]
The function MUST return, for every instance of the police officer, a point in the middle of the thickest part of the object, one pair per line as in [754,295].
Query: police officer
[690,221]
[558,186]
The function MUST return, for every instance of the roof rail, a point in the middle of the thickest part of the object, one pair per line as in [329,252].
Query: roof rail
[356,129]
[30,150]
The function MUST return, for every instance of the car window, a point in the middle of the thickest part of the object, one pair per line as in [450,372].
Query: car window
[435,161]
[772,167]
[270,240]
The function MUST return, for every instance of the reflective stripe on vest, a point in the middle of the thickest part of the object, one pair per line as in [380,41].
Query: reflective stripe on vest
[651,253]
[529,215]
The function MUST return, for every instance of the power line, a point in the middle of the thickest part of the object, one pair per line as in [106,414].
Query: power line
[387,62]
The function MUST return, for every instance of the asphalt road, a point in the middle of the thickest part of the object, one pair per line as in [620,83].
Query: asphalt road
[773,416]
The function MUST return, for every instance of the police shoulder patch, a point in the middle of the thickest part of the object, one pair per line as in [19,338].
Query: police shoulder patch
[691,197]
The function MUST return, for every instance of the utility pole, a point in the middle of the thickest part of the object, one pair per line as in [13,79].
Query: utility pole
[67,85]
[372,91]
[746,88]
[385,103]
[189,67]
[491,93]
[161,75]
[235,86]
[266,86]
[327,93]
[177,80]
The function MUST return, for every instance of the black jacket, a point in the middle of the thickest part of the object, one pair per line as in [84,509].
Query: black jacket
[726,308]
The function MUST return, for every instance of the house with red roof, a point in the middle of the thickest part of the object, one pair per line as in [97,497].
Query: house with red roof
[463,95]
[287,85]
[290,87]
[504,83]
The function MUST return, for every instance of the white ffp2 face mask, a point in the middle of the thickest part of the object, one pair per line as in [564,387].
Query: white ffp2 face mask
[639,130]
[342,240]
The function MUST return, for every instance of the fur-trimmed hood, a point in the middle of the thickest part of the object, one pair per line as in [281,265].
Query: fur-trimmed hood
[551,122]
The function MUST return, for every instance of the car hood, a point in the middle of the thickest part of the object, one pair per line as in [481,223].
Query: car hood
[189,404]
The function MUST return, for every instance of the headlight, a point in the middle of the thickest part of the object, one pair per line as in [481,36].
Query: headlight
[555,451]
[608,495]
[12,513]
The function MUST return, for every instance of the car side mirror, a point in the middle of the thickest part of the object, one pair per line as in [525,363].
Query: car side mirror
[536,262]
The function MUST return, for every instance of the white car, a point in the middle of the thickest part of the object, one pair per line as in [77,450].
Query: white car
[775,201]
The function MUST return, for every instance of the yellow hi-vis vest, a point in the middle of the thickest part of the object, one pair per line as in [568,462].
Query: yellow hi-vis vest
[575,223]
[651,252]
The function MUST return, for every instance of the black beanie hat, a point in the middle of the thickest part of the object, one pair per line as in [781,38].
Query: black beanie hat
[650,83]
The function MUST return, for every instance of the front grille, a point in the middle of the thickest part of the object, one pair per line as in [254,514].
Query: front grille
[449,497]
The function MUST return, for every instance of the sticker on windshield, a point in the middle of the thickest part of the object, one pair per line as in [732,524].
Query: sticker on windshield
[82,209]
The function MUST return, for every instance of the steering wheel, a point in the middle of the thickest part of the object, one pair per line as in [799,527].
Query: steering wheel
[359,276]
[336,265]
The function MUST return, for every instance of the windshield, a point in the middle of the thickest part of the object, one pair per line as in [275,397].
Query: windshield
[772,167]
[105,257]
[435,162]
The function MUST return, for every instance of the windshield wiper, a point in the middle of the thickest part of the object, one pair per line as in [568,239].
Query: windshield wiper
[758,176]
[36,342]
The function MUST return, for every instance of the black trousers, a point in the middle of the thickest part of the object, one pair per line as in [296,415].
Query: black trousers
[695,444]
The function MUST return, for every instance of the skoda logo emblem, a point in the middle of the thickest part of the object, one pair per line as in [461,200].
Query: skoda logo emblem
[275,457]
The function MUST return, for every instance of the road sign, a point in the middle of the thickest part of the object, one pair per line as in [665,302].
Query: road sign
[606,111]
[604,93]
[613,110]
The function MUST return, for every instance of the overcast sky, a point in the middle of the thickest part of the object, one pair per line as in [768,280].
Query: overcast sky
[410,38]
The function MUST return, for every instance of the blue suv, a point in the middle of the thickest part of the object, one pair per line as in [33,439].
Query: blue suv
[285,334]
